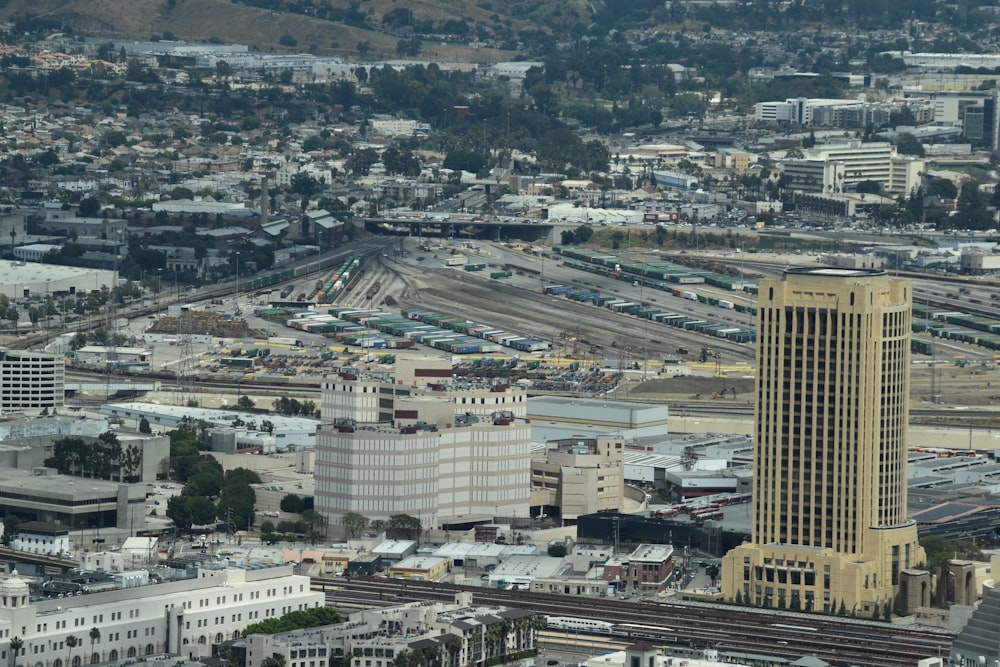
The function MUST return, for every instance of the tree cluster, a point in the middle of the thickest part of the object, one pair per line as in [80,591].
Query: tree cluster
[309,527]
[104,458]
[296,504]
[290,407]
[402,526]
[210,495]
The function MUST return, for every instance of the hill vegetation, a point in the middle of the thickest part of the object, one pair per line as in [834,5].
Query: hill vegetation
[457,29]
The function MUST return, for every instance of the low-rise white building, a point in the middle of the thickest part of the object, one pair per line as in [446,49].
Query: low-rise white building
[38,537]
[182,617]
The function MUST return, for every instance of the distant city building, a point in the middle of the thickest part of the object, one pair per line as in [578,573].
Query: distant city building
[945,61]
[978,642]
[673,179]
[397,127]
[839,168]
[830,530]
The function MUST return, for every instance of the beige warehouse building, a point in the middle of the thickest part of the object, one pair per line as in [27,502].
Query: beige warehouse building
[830,527]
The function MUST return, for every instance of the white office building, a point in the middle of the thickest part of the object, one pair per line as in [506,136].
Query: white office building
[415,444]
[838,168]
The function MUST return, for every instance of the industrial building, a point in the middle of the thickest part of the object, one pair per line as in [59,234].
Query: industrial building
[290,433]
[559,417]
[20,280]
[416,443]
[830,525]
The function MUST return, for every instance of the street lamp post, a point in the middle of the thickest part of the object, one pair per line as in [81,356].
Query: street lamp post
[237,279]
[159,288]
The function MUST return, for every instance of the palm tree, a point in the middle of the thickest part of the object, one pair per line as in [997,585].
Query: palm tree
[72,641]
[453,644]
[95,636]
[16,644]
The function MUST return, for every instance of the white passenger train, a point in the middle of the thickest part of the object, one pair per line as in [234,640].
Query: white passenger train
[574,624]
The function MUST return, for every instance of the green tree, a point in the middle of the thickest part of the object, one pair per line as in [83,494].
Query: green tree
[294,620]
[943,188]
[241,477]
[305,184]
[405,525]
[291,503]
[236,504]
[940,550]
[179,512]
[869,187]
[354,523]
[907,144]
[144,426]
[557,550]
[360,162]
[464,160]
[72,641]
[971,211]
[315,525]
[89,207]
[397,161]
[131,460]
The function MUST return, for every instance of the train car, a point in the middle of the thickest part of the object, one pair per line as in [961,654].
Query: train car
[648,632]
[574,624]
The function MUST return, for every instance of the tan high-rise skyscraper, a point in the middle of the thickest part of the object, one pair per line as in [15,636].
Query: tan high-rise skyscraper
[830,531]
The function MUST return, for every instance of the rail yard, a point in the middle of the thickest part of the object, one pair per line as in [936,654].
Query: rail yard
[782,636]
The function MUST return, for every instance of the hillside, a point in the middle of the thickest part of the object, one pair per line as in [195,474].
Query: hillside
[264,28]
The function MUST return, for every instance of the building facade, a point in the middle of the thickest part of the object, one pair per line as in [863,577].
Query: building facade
[416,444]
[579,476]
[31,380]
[829,503]
[181,617]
